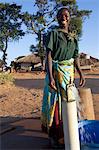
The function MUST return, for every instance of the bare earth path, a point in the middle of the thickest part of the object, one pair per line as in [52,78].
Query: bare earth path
[24,98]
[26,135]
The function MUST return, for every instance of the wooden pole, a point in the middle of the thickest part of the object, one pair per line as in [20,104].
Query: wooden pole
[86,104]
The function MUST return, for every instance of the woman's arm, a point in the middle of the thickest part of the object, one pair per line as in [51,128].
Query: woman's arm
[77,66]
[50,73]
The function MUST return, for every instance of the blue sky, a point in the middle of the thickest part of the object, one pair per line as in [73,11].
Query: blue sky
[89,42]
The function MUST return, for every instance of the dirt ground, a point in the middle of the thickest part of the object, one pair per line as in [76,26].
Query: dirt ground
[24,98]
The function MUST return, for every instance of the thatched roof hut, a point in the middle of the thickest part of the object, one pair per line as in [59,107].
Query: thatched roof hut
[29,59]
[87,61]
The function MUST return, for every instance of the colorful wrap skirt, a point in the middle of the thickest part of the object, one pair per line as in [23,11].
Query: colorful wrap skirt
[63,73]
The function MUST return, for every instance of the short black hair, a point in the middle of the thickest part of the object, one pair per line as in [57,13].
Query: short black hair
[61,9]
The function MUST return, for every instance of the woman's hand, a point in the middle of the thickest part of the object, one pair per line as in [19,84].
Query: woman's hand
[50,74]
[52,84]
[82,80]
[77,65]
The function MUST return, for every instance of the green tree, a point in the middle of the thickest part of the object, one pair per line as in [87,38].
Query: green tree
[37,23]
[33,48]
[44,19]
[11,19]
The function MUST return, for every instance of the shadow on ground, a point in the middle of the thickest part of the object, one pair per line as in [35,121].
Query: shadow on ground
[30,83]
[25,134]
[92,83]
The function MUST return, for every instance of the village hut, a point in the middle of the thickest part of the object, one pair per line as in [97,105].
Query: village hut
[29,62]
[87,62]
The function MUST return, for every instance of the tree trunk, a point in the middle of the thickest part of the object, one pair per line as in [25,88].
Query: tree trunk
[41,48]
[4,51]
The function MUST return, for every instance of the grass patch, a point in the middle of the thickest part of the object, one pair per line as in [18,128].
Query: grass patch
[6,78]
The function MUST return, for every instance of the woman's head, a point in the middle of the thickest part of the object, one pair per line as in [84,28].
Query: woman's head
[63,17]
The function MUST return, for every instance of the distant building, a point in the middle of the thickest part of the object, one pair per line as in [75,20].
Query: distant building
[87,56]
[29,63]
[87,62]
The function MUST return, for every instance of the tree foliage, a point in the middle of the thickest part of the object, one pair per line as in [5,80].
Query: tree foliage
[11,19]
[33,48]
[41,21]
[44,19]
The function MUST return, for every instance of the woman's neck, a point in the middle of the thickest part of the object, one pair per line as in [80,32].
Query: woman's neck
[64,29]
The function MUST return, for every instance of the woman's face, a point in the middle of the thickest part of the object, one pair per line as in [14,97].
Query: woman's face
[63,18]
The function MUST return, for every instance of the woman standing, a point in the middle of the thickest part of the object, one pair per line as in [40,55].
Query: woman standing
[62,57]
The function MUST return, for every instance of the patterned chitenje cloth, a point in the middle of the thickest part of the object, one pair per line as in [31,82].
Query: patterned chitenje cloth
[63,72]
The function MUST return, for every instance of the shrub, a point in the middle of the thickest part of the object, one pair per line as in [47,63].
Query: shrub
[6,78]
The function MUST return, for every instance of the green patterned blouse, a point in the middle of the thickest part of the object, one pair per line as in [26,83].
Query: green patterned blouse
[63,46]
